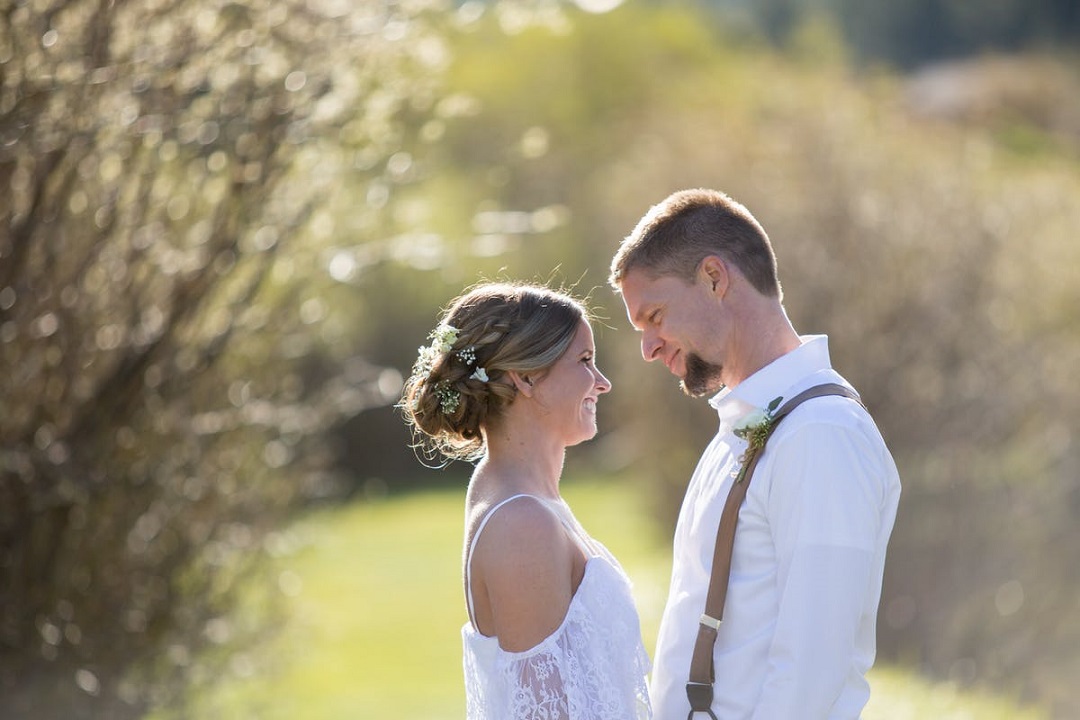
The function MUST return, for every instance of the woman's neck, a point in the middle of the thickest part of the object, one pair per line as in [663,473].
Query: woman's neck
[520,462]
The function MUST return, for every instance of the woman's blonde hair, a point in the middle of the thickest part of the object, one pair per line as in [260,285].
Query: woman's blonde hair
[459,384]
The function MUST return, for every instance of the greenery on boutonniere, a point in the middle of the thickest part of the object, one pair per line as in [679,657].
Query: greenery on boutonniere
[755,427]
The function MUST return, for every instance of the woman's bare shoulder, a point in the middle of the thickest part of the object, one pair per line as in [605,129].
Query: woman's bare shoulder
[525,563]
[524,527]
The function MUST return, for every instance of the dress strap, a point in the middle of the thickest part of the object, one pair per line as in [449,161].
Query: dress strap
[582,540]
[472,547]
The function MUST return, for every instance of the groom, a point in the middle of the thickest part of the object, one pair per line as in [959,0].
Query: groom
[698,278]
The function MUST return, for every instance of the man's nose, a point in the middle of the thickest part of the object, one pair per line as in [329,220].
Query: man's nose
[650,344]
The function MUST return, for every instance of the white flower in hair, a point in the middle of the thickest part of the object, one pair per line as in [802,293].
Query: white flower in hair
[479,374]
[449,398]
[468,355]
[443,339]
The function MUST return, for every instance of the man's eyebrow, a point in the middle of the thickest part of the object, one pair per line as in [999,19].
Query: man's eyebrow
[646,311]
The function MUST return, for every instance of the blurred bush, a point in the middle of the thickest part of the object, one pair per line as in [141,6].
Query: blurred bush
[171,351]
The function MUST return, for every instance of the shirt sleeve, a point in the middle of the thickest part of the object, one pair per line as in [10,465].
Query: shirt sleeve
[824,503]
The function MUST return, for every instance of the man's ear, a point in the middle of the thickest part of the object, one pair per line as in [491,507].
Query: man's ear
[523,383]
[714,270]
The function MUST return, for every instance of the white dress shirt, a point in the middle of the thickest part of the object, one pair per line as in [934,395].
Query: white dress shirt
[798,632]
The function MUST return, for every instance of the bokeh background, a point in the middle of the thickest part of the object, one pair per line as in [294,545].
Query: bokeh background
[225,228]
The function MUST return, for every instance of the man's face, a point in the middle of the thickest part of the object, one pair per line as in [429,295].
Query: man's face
[678,325]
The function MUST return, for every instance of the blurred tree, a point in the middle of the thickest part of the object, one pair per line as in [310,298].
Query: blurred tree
[165,167]
[911,33]
[917,33]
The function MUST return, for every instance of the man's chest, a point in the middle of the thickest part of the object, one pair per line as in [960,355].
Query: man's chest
[699,518]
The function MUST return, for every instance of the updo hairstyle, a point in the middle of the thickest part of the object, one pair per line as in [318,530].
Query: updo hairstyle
[459,384]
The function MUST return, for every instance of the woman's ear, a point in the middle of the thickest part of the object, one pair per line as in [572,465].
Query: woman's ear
[523,383]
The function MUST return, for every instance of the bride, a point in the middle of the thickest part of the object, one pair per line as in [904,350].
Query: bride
[510,381]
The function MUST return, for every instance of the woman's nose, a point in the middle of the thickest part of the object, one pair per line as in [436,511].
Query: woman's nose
[603,385]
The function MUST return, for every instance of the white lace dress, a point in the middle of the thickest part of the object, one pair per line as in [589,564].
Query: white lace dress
[592,667]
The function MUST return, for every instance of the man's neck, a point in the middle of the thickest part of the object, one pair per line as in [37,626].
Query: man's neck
[764,334]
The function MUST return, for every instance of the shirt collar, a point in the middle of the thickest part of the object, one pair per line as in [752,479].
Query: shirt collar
[772,381]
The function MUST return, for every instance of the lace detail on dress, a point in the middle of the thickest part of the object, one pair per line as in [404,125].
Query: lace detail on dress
[592,668]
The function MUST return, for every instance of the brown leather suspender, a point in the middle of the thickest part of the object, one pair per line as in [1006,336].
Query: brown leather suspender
[699,689]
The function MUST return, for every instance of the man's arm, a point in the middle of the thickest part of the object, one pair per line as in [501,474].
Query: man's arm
[825,517]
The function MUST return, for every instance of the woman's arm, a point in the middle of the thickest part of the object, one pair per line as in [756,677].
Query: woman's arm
[525,571]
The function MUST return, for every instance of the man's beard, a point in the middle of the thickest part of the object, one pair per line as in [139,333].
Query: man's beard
[702,378]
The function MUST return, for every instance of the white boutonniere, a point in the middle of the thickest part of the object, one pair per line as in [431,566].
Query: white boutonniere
[754,427]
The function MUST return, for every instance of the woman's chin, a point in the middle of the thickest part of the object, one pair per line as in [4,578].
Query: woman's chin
[587,435]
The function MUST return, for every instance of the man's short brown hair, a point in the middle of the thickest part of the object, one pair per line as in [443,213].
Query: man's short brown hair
[689,225]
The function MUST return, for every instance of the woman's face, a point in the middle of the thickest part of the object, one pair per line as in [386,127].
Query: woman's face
[569,390]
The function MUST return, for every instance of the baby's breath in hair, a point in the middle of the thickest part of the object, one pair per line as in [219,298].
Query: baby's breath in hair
[443,339]
[449,398]
[442,342]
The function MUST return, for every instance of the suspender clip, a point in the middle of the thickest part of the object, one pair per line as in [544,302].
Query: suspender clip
[700,696]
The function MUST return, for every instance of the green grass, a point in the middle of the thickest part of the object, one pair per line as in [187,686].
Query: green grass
[375,617]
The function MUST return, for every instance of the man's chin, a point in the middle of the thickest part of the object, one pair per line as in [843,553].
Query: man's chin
[701,378]
[700,389]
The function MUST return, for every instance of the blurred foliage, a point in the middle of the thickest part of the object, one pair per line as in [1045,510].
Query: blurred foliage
[171,347]
[910,33]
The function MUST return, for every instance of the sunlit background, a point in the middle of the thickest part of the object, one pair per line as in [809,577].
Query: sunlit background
[226,227]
